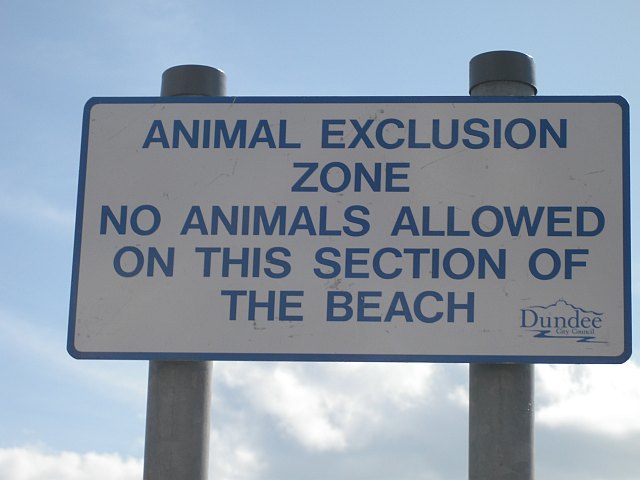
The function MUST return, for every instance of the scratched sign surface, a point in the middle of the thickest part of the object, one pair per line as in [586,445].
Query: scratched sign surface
[377,229]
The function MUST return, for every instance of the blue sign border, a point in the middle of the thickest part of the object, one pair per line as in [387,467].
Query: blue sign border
[311,357]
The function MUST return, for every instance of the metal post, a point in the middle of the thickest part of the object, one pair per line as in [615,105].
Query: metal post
[179,393]
[501,395]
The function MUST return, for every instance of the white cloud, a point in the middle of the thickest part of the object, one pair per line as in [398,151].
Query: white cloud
[33,464]
[602,399]
[232,457]
[459,396]
[329,407]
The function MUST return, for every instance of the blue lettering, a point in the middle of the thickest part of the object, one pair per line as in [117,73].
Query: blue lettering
[346,177]
[547,129]
[233,301]
[553,220]
[324,230]
[269,304]
[478,226]
[454,134]
[380,133]
[137,265]
[374,182]
[261,222]
[135,224]
[302,221]
[361,133]
[230,225]
[448,260]
[531,133]
[405,221]
[392,175]
[221,133]
[523,216]
[327,132]
[351,262]
[282,137]
[272,259]
[499,269]
[582,230]
[362,222]
[157,128]
[377,259]
[363,305]
[310,168]
[412,137]
[451,229]
[484,136]
[180,130]
[262,134]
[285,304]
[452,306]
[195,220]
[417,306]
[569,262]
[207,258]
[242,261]
[154,258]
[119,224]
[426,223]
[497,133]
[555,264]
[333,265]
[398,307]
[333,304]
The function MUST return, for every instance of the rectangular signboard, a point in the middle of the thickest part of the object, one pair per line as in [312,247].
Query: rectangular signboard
[446,229]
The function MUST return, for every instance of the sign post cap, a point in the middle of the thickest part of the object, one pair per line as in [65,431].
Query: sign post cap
[502,66]
[193,80]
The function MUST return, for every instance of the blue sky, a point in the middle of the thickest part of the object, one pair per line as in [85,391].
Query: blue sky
[66,419]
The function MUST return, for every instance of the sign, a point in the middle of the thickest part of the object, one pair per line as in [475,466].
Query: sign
[457,229]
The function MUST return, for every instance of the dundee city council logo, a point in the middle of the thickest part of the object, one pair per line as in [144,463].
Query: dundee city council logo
[562,320]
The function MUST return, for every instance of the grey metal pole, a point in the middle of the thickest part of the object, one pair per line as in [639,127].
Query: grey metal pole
[501,395]
[179,393]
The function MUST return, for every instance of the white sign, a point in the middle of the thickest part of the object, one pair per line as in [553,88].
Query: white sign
[379,229]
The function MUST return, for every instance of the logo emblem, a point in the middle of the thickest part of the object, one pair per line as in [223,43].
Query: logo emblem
[562,320]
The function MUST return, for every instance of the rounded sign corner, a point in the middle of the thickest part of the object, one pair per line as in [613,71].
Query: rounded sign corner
[624,356]
[92,102]
[73,351]
[622,102]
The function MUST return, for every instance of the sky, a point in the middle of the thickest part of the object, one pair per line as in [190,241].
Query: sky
[67,419]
